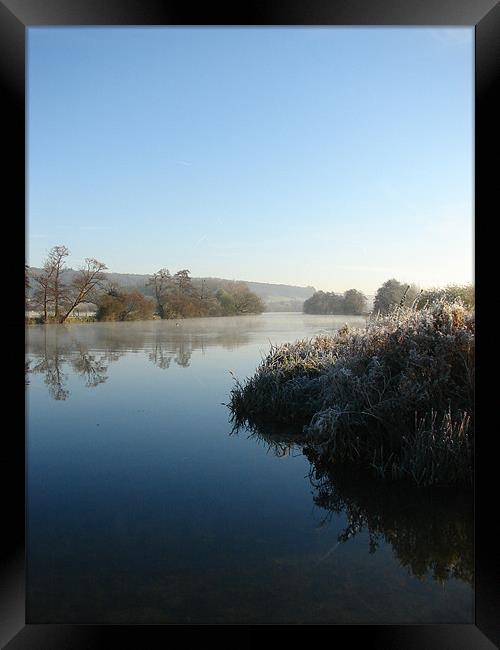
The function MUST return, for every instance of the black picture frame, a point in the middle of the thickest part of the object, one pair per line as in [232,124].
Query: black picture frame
[18,15]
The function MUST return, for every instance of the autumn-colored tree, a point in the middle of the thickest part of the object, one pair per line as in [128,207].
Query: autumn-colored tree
[236,298]
[247,302]
[226,302]
[124,305]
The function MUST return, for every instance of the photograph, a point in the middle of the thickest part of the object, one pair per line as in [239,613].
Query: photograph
[247,395]
[250,325]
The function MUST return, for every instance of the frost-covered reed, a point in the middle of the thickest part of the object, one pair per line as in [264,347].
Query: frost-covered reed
[395,397]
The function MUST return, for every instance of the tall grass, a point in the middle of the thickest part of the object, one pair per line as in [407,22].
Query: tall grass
[395,397]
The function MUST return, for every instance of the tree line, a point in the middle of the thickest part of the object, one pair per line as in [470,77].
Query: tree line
[172,296]
[351,302]
[393,293]
[390,294]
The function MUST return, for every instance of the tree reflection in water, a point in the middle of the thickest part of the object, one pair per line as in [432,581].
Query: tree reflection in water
[50,357]
[50,365]
[88,350]
[92,368]
[160,357]
[162,354]
[430,530]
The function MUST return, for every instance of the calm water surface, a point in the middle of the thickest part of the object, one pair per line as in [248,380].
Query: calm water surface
[143,507]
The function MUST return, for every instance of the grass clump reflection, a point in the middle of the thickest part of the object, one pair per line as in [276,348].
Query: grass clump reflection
[395,398]
[430,530]
[431,533]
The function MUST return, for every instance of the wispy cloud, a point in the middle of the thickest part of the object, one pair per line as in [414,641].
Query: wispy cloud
[185,163]
[460,36]
[200,241]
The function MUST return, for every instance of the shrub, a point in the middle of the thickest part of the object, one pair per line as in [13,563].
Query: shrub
[395,397]
[124,306]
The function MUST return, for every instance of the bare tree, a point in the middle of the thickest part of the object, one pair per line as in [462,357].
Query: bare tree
[49,289]
[42,294]
[84,285]
[56,263]
[202,289]
[161,282]
[183,282]
[112,289]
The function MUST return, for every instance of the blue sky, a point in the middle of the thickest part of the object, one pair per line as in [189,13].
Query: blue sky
[332,157]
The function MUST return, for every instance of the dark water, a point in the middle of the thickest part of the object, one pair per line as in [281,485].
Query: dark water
[143,508]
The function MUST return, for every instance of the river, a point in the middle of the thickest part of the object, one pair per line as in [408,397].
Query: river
[145,507]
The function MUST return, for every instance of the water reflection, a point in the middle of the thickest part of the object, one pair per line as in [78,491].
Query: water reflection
[430,530]
[159,356]
[162,354]
[88,350]
[51,357]
[142,508]
[50,365]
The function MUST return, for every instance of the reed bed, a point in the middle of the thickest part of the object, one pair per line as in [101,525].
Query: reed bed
[395,397]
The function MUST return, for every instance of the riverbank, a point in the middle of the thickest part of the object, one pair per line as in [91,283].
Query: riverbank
[395,398]
[76,320]
[79,320]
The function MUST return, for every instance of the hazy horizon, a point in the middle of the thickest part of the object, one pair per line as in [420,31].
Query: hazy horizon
[335,158]
[300,286]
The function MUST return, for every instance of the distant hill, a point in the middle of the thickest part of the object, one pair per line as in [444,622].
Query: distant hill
[282,297]
[270,293]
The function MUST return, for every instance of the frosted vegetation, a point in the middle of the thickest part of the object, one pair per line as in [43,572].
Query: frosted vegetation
[394,398]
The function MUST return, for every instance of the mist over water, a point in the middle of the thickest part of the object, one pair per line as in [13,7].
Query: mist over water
[144,507]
